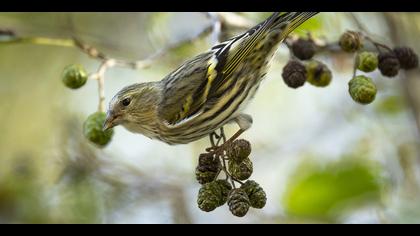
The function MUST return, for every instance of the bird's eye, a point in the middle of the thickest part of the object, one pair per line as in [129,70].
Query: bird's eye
[126,102]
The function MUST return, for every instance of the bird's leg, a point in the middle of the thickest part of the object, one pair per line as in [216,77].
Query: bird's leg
[214,144]
[218,151]
[215,140]
[244,122]
[235,136]
[212,136]
[218,137]
[224,157]
[220,156]
[222,134]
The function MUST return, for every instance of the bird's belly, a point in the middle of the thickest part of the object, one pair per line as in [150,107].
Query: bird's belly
[213,118]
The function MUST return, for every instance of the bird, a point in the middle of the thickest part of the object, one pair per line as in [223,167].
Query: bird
[207,91]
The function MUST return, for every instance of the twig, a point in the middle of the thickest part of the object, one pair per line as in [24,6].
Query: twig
[147,62]
[323,46]
[355,66]
[365,33]
[106,61]
[89,50]
[39,41]
[100,77]
[377,44]
[222,156]
[358,23]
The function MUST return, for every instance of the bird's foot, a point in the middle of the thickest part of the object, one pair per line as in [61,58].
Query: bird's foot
[219,150]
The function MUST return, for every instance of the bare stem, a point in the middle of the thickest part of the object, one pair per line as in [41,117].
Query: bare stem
[222,156]
[96,54]
[355,66]
[39,41]
[108,62]
[365,33]
[100,76]
[377,44]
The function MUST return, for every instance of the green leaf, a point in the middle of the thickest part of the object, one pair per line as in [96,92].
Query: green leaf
[325,192]
[313,25]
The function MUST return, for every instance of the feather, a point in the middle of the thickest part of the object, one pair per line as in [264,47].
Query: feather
[203,80]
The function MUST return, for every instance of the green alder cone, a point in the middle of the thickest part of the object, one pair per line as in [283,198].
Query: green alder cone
[318,74]
[74,76]
[225,188]
[241,171]
[367,61]
[207,169]
[92,129]
[350,42]
[238,202]
[212,195]
[362,89]
[204,176]
[256,194]
[239,150]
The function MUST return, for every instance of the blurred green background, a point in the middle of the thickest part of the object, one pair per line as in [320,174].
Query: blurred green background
[321,157]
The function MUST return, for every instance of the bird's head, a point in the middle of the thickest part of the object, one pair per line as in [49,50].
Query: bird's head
[134,107]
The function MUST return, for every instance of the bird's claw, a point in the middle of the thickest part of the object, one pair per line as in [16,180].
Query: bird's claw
[218,150]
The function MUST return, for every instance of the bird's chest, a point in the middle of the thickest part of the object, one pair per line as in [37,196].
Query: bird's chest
[146,130]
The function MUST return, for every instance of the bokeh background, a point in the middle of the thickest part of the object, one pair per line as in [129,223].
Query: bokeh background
[321,157]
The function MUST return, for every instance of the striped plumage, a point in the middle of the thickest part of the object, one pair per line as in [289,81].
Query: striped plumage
[206,92]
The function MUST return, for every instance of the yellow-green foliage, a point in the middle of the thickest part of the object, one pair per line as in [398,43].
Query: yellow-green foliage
[323,192]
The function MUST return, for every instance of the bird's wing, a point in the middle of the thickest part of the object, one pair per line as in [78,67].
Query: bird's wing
[232,53]
[187,89]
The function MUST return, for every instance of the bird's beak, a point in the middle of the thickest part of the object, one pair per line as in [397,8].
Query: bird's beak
[109,121]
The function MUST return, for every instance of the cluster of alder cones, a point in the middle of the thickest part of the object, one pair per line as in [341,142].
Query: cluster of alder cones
[303,68]
[238,167]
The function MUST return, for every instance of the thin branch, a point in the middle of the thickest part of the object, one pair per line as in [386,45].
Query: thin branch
[106,61]
[89,50]
[355,65]
[377,45]
[100,76]
[147,62]
[365,33]
[39,41]
[358,23]
[96,54]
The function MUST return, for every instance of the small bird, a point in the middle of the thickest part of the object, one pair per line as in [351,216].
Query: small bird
[207,91]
